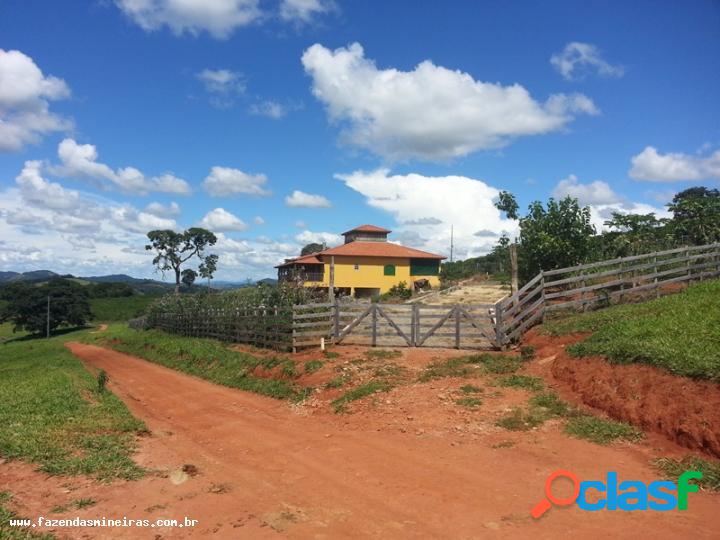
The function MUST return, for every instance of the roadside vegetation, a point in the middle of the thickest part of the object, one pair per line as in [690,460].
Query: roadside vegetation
[672,468]
[205,358]
[52,414]
[121,308]
[679,333]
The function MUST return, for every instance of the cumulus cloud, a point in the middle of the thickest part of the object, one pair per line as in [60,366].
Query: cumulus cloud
[80,161]
[599,213]
[25,93]
[300,199]
[465,203]
[307,237]
[674,167]
[220,219]
[40,192]
[217,17]
[597,192]
[163,210]
[223,85]
[430,112]
[577,60]
[258,220]
[271,109]
[303,11]
[226,181]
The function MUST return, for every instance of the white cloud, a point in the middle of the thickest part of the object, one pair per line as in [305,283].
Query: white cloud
[80,160]
[300,224]
[430,112]
[226,181]
[307,237]
[303,11]
[24,102]
[258,220]
[597,192]
[433,204]
[599,213]
[39,192]
[269,108]
[217,17]
[578,59]
[163,210]
[674,167]
[300,199]
[220,219]
[223,85]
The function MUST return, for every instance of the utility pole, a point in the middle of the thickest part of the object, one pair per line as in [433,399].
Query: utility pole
[452,241]
[47,330]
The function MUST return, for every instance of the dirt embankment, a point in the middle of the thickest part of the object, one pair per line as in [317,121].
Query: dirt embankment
[685,410]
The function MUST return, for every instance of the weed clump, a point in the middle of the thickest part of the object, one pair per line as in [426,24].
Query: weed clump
[527,382]
[673,468]
[601,431]
[311,366]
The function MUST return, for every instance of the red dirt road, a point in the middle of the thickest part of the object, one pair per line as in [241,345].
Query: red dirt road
[266,471]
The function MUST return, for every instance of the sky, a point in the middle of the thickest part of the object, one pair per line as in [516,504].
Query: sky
[276,123]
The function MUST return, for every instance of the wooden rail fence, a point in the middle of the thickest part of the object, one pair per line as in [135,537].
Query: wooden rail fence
[497,325]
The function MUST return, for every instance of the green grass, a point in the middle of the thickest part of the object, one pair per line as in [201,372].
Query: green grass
[600,430]
[359,392]
[527,382]
[679,333]
[331,355]
[473,365]
[470,389]
[205,358]
[521,420]
[122,308]
[338,382]
[52,415]
[382,354]
[550,405]
[542,408]
[311,366]
[673,468]
[469,402]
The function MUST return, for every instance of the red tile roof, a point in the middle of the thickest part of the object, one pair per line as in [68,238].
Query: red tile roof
[305,259]
[368,228]
[378,249]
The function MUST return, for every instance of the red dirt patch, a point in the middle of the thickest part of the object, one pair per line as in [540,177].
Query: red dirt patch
[686,411]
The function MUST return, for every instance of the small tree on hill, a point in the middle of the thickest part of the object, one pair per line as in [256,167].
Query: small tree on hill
[27,305]
[174,249]
[696,215]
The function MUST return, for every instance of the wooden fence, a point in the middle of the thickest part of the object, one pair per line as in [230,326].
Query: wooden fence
[270,327]
[497,325]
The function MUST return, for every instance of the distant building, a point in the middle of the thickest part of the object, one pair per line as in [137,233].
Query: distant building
[365,265]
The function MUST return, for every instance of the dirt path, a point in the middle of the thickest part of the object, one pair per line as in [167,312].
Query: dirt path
[265,471]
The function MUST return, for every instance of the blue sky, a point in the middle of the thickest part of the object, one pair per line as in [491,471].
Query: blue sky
[411,115]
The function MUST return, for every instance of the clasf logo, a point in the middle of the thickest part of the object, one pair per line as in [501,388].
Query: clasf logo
[661,495]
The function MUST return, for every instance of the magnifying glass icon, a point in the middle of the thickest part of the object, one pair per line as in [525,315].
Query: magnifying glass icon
[544,505]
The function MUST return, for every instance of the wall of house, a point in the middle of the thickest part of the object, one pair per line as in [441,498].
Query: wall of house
[370,273]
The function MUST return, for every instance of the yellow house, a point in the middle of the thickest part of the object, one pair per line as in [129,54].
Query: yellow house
[364,266]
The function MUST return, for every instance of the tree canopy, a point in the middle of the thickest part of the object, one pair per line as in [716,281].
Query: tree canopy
[312,247]
[696,215]
[173,250]
[27,305]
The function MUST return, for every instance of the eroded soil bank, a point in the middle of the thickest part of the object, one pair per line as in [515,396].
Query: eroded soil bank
[686,411]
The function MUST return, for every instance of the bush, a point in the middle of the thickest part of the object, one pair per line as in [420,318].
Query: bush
[401,291]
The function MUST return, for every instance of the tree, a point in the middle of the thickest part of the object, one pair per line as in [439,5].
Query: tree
[188,277]
[632,234]
[553,237]
[174,249]
[696,215]
[27,305]
[313,247]
[208,267]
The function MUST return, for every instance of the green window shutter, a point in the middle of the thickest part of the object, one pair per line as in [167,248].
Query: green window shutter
[389,270]
[424,267]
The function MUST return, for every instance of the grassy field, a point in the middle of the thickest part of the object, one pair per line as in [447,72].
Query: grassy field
[205,358]
[120,309]
[52,414]
[679,333]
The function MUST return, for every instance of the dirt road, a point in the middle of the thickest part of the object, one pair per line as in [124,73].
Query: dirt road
[265,471]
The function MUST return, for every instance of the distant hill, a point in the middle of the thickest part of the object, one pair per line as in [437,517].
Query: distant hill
[141,285]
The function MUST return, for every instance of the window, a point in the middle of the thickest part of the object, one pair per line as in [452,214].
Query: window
[424,267]
[389,270]
[357,267]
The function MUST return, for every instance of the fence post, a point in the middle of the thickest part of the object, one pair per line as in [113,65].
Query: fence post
[655,279]
[687,265]
[415,325]
[456,314]
[499,332]
[336,319]
[622,285]
[542,295]
[374,325]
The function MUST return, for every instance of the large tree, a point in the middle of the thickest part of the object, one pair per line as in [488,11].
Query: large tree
[27,305]
[173,250]
[696,215]
[552,236]
[313,247]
